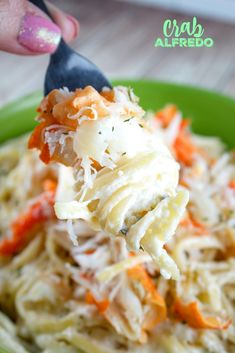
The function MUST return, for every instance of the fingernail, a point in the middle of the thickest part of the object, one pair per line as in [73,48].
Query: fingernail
[75,25]
[38,34]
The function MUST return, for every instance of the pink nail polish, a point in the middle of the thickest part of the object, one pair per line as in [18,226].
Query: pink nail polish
[38,34]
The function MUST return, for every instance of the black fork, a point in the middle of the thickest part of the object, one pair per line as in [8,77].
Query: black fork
[70,69]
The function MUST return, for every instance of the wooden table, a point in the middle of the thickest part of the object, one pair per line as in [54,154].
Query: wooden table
[119,38]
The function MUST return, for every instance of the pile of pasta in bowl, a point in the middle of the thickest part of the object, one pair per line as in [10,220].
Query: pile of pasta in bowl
[122,237]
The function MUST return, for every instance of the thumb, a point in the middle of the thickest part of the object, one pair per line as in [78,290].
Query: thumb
[25,29]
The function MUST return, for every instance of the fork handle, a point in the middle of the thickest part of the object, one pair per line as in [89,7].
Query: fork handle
[42,6]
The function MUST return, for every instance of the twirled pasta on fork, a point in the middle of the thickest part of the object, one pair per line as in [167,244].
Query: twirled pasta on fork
[116,173]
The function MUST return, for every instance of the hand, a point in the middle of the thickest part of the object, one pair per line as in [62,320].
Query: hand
[26,30]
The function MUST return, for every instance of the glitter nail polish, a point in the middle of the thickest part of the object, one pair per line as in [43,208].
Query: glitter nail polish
[38,34]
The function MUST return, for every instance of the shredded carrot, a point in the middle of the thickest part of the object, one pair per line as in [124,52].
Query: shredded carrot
[109,95]
[158,312]
[183,183]
[49,185]
[132,253]
[192,315]
[232,184]
[101,305]
[185,124]
[96,165]
[90,251]
[183,145]
[36,140]
[201,228]
[166,115]
[38,212]
[190,222]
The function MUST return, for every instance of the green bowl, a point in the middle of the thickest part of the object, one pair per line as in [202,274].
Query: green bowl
[211,113]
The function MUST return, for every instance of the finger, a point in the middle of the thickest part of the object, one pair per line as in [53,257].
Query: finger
[68,24]
[26,30]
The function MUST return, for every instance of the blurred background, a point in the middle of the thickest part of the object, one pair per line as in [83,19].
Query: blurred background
[119,37]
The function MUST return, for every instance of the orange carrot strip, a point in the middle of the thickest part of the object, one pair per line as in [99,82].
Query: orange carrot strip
[158,312]
[183,183]
[201,229]
[109,95]
[101,305]
[185,123]
[36,140]
[194,318]
[45,154]
[90,251]
[232,184]
[49,185]
[96,165]
[166,115]
[191,222]
[183,146]
[40,211]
